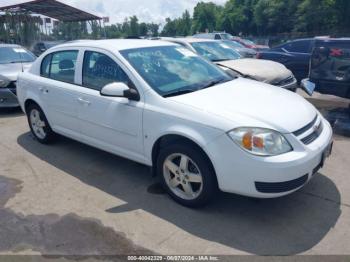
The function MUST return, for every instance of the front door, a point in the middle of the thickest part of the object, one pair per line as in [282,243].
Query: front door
[110,123]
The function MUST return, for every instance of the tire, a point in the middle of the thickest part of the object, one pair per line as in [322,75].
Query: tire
[41,128]
[179,178]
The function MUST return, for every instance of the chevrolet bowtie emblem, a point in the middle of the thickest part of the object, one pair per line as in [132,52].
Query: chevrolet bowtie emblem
[316,127]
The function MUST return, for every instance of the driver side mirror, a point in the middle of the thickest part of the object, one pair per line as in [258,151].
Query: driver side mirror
[308,86]
[119,89]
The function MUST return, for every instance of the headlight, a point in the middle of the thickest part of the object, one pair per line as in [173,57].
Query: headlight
[260,141]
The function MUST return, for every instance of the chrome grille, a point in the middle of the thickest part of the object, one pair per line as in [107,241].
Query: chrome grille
[305,128]
[12,87]
[313,136]
[312,131]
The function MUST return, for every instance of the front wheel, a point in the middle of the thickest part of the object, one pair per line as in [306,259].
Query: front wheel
[187,175]
[39,125]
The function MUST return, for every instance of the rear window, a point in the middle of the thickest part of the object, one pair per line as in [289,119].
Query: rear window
[60,66]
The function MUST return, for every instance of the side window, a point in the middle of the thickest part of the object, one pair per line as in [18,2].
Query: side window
[100,70]
[299,46]
[62,66]
[45,66]
[217,37]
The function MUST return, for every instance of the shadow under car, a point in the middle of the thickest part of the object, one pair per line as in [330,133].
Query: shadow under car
[282,226]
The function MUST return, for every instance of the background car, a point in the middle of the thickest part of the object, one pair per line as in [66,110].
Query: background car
[330,67]
[214,36]
[40,47]
[250,44]
[295,55]
[13,60]
[228,37]
[261,70]
[243,51]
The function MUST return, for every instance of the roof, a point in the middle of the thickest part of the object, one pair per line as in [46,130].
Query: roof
[333,39]
[187,39]
[8,45]
[115,44]
[53,9]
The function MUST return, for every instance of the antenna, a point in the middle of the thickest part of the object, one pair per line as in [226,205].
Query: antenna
[18,50]
[20,55]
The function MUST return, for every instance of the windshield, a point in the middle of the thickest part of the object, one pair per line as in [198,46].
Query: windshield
[10,55]
[233,44]
[173,70]
[215,51]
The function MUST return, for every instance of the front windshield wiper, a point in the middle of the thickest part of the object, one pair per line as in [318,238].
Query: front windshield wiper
[214,83]
[219,60]
[17,62]
[179,92]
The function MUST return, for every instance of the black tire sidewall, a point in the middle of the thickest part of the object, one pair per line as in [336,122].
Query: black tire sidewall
[50,135]
[208,175]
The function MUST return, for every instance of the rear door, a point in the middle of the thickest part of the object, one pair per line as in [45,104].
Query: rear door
[58,90]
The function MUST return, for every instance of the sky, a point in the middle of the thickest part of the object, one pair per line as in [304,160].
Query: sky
[146,10]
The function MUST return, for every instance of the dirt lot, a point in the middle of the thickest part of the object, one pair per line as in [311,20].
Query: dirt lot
[69,198]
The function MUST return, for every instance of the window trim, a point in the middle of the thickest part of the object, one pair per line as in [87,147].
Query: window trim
[41,66]
[133,86]
[52,54]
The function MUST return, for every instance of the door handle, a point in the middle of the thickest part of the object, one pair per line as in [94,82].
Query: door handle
[83,101]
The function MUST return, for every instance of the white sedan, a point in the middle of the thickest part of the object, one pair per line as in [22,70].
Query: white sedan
[161,105]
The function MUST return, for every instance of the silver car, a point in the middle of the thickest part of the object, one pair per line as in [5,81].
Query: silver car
[228,39]
[243,51]
[13,60]
[233,63]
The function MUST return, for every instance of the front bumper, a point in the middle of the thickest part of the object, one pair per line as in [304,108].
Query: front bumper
[8,98]
[267,177]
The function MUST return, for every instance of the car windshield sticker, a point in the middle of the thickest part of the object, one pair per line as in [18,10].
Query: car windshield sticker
[19,50]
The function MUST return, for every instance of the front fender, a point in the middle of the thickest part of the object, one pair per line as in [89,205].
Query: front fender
[156,127]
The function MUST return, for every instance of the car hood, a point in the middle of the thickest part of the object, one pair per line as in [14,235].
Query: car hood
[11,71]
[245,102]
[261,70]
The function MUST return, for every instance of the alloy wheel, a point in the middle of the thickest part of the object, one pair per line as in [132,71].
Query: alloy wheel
[183,176]
[37,124]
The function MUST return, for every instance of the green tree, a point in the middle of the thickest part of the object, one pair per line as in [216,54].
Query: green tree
[316,16]
[237,17]
[205,17]
[169,28]
[275,16]
[134,26]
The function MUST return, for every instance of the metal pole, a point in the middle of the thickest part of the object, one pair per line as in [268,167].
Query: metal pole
[104,29]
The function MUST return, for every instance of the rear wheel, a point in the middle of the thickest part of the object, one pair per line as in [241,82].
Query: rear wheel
[39,125]
[187,175]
